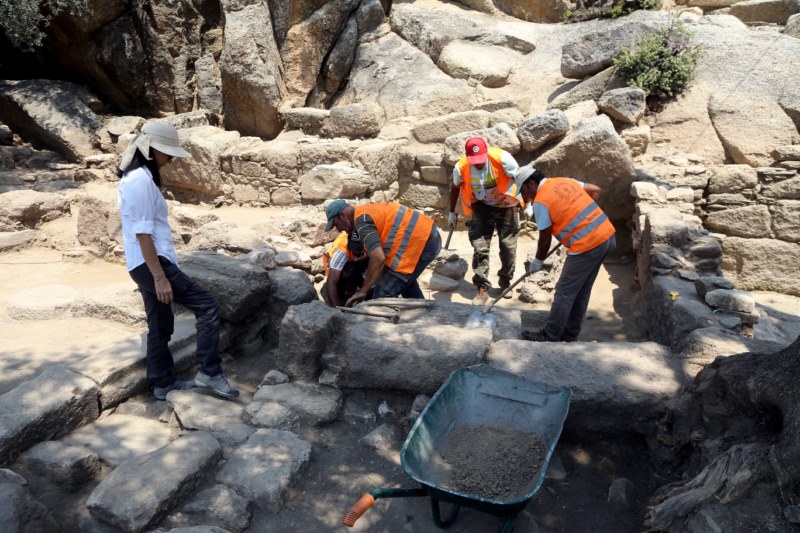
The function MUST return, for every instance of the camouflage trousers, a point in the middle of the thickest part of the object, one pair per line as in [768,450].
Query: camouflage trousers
[485,221]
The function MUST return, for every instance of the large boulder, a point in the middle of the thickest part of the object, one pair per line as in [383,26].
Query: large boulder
[487,65]
[307,44]
[762,264]
[30,208]
[51,113]
[616,387]
[413,87]
[751,128]
[200,173]
[774,11]
[501,136]
[333,181]
[251,67]
[305,331]
[595,153]
[240,287]
[389,356]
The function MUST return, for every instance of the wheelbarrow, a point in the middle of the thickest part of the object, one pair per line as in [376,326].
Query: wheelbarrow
[475,396]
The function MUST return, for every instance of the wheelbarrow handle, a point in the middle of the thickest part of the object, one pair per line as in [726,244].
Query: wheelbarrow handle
[359,508]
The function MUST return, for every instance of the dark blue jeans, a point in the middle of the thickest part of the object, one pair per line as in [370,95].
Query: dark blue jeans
[394,284]
[161,323]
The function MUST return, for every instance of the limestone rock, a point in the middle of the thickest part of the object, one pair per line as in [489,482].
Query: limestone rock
[751,221]
[31,208]
[645,377]
[263,468]
[775,11]
[45,408]
[219,506]
[418,362]
[314,404]
[238,286]
[485,64]
[542,128]
[53,113]
[501,136]
[589,89]
[762,264]
[119,500]
[437,129]
[626,104]
[595,153]
[41,303]
[306,330]
[118,438]
[359,120]
[21,512]
[382,438]
[250,68]
[61,464]
[200,173]
[732,300]
[333,181]
[750,129]
[732,179]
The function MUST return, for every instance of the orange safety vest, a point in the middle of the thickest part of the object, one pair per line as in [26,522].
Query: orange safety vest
[578,223]
[339,243]
[504,182]
[403,233]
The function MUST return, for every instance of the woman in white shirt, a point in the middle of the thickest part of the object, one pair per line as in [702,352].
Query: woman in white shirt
[153,265]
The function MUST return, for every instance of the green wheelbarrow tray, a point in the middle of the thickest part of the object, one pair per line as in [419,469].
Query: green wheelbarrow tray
[475,396]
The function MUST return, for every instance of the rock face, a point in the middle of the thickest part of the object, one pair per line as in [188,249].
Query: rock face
[251,69]
[51,113]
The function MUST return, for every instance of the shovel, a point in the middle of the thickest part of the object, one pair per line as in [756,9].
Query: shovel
[479,319]
[449,236]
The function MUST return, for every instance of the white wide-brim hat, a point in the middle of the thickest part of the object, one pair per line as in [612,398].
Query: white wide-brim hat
[158,136]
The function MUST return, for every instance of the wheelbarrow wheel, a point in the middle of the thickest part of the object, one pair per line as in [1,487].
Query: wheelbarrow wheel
[437,517]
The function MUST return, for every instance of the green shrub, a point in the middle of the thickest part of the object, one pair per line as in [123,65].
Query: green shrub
[24,21]
[662,63]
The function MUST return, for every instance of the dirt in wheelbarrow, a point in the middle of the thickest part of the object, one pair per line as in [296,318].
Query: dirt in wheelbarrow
[491,462]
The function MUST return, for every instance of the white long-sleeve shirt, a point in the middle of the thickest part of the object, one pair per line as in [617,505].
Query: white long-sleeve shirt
[143,210]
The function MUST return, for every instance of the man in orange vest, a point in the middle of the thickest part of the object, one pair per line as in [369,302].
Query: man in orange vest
[484,178]
[344,263]
[566,208]
[399,241]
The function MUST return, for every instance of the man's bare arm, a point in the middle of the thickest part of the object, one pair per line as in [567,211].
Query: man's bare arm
[592,190]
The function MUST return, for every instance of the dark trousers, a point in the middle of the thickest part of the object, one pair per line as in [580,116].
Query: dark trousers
[487,219]
[394,284]
[161,323]
[573,290]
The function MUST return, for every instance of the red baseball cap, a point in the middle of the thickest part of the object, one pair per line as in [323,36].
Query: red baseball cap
[476,151]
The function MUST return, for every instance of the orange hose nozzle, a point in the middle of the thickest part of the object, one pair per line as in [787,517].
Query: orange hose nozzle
[358,509]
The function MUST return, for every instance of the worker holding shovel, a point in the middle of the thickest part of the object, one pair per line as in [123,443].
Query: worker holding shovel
[567,208]
[400,243]
[484,178]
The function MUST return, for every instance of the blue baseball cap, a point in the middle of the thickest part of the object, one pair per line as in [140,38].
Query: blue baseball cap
[333,209]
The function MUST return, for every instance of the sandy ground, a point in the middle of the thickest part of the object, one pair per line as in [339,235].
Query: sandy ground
[341,468]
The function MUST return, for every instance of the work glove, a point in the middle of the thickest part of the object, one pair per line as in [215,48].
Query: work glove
[452,219]
[535,266]
[528,211]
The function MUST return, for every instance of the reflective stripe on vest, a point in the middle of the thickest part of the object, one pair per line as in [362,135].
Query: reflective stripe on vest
[578,222]
[403,233]
[502,180]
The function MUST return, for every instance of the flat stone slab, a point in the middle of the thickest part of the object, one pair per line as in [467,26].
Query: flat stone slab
[118,438]
[41,303]
[120,371]
[140,491]
[10,240]
[378,355]
[64,465]
[263,468]
[204,411]
[314,404]
[119,303]
[45,408]
[616,386]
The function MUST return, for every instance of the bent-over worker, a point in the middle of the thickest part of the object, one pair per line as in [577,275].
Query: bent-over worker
[399,241]
[345,264]
[567,208]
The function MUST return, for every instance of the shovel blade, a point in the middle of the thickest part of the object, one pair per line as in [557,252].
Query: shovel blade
[480,319]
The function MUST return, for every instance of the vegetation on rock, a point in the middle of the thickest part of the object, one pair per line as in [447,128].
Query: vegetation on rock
[593,9]
[662,64]
[24,21]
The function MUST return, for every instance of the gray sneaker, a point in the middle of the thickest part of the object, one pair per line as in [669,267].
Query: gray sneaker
[161,392]
[218,384]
